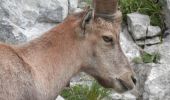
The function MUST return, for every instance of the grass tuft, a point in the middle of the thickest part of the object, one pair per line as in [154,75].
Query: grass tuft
[84,92]
[148,58]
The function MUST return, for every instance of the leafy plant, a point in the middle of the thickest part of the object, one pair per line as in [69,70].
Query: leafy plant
[84,92]
[148,7]
[147,58]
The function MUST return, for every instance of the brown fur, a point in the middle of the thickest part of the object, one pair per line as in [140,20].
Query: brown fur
[39,70]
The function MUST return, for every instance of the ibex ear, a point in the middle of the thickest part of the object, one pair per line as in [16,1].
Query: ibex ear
[88,17]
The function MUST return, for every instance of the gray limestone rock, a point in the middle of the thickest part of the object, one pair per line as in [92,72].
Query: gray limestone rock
[153,31]
[129,47]
[138,24]
[150,41]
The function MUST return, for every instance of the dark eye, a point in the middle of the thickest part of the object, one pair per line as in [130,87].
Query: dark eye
[107,39]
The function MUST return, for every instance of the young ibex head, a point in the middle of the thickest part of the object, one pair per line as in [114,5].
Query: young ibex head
[105,59]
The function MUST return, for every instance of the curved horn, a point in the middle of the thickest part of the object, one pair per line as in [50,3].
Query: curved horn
[105,8]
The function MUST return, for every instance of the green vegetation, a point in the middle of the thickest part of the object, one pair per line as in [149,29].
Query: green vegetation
[138,60]
[148,7]
[88,2]
[147,58]
[84,92]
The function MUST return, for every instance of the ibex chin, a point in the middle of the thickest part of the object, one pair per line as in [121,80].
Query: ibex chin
[87,41]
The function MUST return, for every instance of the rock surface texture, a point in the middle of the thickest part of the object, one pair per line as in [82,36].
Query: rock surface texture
[153,31]
[22,20]
[153,81]
[157,85]
[10,33]
[138,25]
[166,8]
[73,4]
[141,30]
[130,49]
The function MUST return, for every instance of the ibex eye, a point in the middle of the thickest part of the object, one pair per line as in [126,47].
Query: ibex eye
[107,39]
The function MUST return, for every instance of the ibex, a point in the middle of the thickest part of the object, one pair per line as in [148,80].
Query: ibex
[87,41]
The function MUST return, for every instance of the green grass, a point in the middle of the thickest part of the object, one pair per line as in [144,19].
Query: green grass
[148,7]
[148,58]
[84,92]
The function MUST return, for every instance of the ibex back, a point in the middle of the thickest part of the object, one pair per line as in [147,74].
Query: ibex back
[85,41]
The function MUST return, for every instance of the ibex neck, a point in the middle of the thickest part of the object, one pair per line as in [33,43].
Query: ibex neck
[54,58]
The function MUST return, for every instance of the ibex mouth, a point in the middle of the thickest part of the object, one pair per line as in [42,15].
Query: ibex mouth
[124,85]
[127,81]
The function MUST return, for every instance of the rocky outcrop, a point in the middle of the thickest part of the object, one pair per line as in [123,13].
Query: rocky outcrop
[157,85]
[23,20]
[142,72]
[141,30]
[153,31]
[130,49]
[73,5]
[166,8]
[153,79]
[149,41]
[54,11]
[10,33]
[138,24]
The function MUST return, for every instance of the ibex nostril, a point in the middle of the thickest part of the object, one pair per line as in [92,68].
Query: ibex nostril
[134,79]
